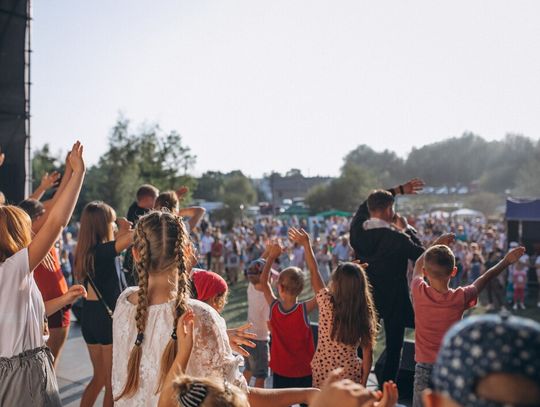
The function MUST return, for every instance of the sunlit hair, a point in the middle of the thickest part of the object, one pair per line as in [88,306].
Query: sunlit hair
[15,231]
[439,261]
[219,301]
[160,240]
[218,392]
[291,280]
[355,318]
[96,227]
[167,199]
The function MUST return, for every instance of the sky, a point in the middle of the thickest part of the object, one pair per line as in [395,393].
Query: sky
[267,86]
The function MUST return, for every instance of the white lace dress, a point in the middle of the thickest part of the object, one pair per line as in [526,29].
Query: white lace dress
[211,355]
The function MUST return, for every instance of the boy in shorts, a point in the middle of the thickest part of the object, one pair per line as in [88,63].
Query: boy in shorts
[256,365]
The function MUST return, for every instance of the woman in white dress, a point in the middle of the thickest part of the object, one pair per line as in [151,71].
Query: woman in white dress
[145,320]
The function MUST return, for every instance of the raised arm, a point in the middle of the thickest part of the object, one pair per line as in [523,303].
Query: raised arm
[302,238]
[124,237]
[61,212]
[47,182]
[511,257]
[68,173]
[194,213]
[274,250]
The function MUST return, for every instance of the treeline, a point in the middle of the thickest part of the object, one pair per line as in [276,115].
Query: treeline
[152,155]
[511,165]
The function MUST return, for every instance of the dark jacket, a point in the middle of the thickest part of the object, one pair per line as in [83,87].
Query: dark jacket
[387,251]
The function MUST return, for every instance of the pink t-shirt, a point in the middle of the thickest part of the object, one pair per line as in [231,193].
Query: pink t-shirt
[435,313]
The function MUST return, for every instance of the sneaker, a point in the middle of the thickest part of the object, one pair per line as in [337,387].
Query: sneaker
[515,306]
[522,305]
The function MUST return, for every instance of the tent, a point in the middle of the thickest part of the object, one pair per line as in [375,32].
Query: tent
[523,222]
[523,210]
[467,213]
[328,214]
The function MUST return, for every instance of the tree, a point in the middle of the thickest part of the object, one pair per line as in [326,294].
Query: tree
[132,159]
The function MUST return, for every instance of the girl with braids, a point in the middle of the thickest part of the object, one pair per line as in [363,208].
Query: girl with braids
[97,265]
[144,323]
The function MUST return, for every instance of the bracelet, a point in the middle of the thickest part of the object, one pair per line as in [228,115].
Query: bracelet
[402,192]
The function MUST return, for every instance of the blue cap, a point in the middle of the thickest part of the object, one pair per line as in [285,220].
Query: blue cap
[256,267]
[482,345]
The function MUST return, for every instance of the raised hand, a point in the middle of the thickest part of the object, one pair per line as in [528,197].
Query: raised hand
[124,225]
[2,158]
[48,262]
[182,192]
[274,250]
[74,293]
[49,180]
[514,255]
[239,337]
[413,187]
[184,335]
[75,158]
[299,236]
[446,239]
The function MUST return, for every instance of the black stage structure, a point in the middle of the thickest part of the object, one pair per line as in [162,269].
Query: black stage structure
[16,173]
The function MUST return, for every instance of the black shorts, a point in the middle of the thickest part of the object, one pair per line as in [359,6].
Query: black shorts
[96,324]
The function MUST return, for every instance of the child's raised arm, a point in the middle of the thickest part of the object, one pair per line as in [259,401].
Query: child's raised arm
[302,238]
[274,251]
[61,212]
[511,257]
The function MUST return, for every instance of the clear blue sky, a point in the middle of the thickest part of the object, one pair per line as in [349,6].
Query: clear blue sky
[270,85]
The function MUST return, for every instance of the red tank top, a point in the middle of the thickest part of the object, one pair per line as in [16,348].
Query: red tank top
[292,346]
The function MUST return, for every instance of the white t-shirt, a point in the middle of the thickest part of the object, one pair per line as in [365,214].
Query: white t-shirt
[22,311]
[258,313]
[206,244]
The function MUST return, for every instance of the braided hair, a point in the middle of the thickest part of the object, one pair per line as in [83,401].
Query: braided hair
[160,239]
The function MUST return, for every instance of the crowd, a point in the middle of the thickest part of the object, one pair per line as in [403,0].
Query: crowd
[153,286]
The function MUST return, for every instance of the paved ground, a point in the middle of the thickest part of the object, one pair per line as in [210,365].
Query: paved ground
[75,369]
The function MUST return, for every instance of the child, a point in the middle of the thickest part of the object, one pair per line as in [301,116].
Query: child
[97,265]
[210,288]
[292,347]
[26,372]
[347,319]
[145,323]
[437,307]
[519,280]
[488,361]
[258,311]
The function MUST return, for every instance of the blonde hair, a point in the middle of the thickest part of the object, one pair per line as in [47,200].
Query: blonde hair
[15,231]
[160,240]
[95,228]
[167,199]
[218,393]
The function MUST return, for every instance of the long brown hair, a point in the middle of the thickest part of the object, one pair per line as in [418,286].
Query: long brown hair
[355,317]
[95,228]
[15,231]
[160,241]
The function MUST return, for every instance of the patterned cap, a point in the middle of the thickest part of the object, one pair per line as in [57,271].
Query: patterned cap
[481,345]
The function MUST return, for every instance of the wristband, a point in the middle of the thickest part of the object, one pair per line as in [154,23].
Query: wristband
[401,191]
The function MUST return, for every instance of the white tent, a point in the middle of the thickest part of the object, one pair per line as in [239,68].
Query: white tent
[467,213]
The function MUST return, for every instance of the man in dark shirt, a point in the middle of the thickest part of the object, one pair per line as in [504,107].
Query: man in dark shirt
[384,240]
[146,198]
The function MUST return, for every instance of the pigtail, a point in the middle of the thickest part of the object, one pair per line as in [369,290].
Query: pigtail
[182,293]
[134,362]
